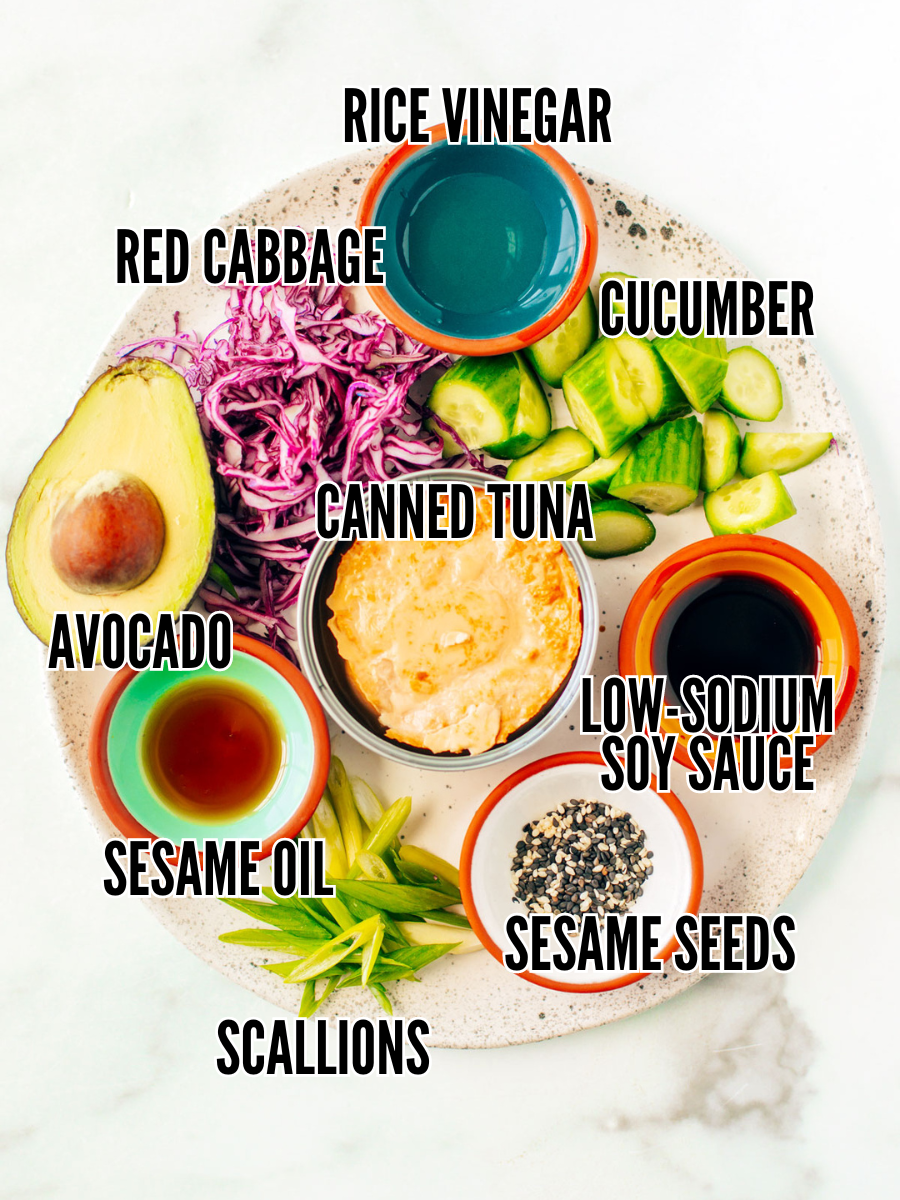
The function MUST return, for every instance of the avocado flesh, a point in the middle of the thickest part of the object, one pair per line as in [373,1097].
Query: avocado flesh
[138,419]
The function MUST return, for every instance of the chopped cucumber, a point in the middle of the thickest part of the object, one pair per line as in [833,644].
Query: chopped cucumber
[748,505]
[781,452]
[598,473]
[699,365]
[424,933]
[619,528]
[655,385]
[603,392]
[552,356]
[751,387]
[668,401]
[478,398]
[533,418]
[564,452]
[721,450]
[663,471]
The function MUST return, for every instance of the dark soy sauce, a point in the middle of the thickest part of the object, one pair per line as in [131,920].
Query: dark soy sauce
[735,625]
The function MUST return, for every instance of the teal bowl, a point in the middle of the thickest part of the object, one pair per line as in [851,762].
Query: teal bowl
[487,248]
[120,778]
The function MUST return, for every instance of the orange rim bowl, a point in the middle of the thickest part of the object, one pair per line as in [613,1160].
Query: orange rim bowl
[810,586]
[498,795]
[128,825]
[588,235]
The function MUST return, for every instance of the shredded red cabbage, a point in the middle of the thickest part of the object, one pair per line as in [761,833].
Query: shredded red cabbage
[296,389]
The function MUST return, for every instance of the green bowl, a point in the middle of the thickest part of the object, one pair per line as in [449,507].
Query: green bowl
[118,732]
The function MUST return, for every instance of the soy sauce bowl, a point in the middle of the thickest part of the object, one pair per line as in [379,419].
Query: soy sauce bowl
[485,869]
[806,585]
[533,234]
[121,781]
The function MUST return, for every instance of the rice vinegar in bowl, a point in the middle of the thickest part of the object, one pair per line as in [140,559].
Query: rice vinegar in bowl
[486,248]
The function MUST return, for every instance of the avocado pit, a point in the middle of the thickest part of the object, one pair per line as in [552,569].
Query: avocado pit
[109,536]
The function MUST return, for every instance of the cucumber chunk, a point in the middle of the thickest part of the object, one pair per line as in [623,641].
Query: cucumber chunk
[751,388]
[667,401]
[533,418]
[479,399]
[748,505]
[619,528]
[781,452]
[663,471]
[699,365]
[598,473]
[564,452]
[655,385]
[721,450]
[552,356]
[603,391]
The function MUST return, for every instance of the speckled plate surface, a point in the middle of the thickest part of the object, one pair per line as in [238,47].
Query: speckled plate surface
[755,847]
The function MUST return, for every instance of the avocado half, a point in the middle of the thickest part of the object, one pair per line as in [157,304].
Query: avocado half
[136,420]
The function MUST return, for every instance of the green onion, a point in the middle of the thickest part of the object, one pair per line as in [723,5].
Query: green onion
[272,939]
[309,1003]
[335,951]
[382,997]
[339,911]
[443,916]
[394,897]
[384,831]
[361,910]
[326,826]
[367,803]
[373,868]
[430,862]
[316,908]
[347,815]
[286,968]
[217,575]
[412,873]
[370,954]
[401,965]
[352,939]
[292,919]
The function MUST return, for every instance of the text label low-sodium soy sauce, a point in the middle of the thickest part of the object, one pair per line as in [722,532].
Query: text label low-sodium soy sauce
[734,625]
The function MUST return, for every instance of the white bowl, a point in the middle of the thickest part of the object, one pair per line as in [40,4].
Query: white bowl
[486,877]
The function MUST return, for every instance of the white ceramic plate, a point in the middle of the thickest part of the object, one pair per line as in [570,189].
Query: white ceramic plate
[755,847]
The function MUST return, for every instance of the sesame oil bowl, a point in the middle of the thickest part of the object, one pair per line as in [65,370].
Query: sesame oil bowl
[130,794]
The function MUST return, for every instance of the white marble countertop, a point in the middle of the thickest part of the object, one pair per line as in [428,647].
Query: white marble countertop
[773,132]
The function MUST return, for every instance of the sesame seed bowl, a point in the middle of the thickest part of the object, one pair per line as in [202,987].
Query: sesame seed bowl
[648,832]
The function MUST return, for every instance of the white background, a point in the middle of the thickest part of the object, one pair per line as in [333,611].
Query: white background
[770,126]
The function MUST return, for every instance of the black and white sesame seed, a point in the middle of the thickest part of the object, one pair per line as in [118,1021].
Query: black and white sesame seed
[582,856]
